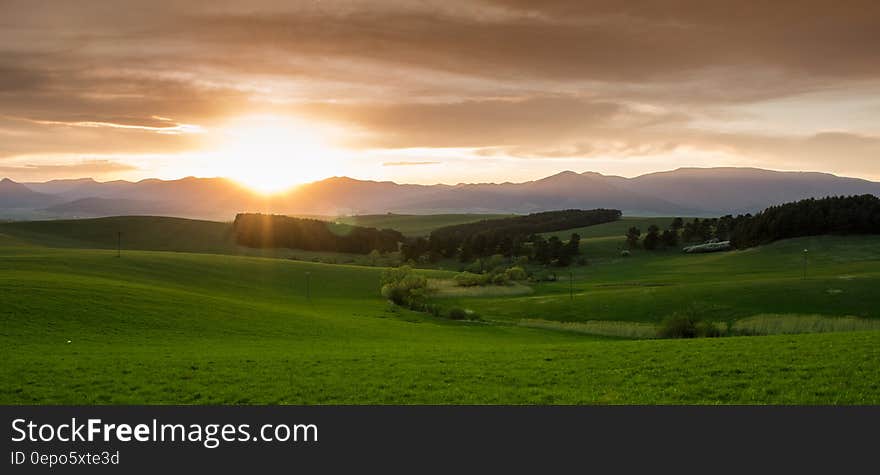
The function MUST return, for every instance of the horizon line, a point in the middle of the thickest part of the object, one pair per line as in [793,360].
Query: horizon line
[561,172]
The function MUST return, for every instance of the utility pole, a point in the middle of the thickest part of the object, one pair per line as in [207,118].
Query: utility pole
[805,264]
[118,243]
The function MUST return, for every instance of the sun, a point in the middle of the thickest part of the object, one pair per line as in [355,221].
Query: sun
[270,154]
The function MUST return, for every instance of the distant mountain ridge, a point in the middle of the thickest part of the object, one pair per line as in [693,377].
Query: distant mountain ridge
[683,192]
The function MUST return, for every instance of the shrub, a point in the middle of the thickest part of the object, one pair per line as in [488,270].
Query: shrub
[475,267]
[677,326]
[686,326]
[402,287]
[457,313]
[516,273]
[495,262]
[707,330]
[544,276]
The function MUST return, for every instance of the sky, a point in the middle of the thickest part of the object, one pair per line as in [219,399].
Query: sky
[275,93]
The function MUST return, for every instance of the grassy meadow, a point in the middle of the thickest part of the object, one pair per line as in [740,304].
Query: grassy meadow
[160,233]
[82,326]
[415,224]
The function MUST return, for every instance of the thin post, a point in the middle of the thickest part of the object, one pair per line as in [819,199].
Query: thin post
[805,264]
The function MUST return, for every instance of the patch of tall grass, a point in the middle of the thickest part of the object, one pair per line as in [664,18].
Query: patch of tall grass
[449,288]
[635,330]
[776,324]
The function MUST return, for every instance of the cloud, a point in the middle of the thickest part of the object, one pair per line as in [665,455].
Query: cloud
[34,137]
[163,128]
[525,79]
[88,167]
[487,123]
[408,164]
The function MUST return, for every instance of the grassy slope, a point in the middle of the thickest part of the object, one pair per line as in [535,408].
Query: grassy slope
[138,232]
[843,275]
[415,224]
[615,229]
[158,233]
[155,327]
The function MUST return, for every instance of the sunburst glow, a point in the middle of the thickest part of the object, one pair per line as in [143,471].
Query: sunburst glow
[272,153]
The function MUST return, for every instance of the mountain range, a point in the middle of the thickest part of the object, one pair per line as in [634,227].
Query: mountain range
[681,192]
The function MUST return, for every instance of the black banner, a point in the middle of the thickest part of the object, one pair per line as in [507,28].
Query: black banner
[331,439]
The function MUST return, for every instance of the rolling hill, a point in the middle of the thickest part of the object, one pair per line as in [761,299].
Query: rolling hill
[85,327]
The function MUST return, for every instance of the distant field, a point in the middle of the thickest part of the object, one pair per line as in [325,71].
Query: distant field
[843,274]
[614,229]
[180,328]
[157,233]
[160,233]
[415,224]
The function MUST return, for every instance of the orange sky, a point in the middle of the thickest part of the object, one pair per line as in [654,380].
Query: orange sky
[274,93]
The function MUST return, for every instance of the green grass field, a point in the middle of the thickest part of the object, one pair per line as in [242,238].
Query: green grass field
[415,224]
[160,233]
[614,229]
[843,274]
[158,327]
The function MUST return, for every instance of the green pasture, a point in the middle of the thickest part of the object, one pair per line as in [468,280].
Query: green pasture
[82,326]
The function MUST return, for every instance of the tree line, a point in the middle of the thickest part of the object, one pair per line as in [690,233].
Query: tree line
[833,215]
[810,217]
[276,231]
[509,237]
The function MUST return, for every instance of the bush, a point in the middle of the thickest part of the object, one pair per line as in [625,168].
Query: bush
[475,267]
[686,326]
[677,326]
[707,330]
[516,273]
[402,287]
[457,314]
[495,262]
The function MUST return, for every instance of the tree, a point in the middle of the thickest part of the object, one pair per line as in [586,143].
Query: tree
[573,247]
[541,250]
[691,231]
[652,239]
[832,215]
[556,250]
[669,238]
[374,257]
[632,237]
[677,224]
